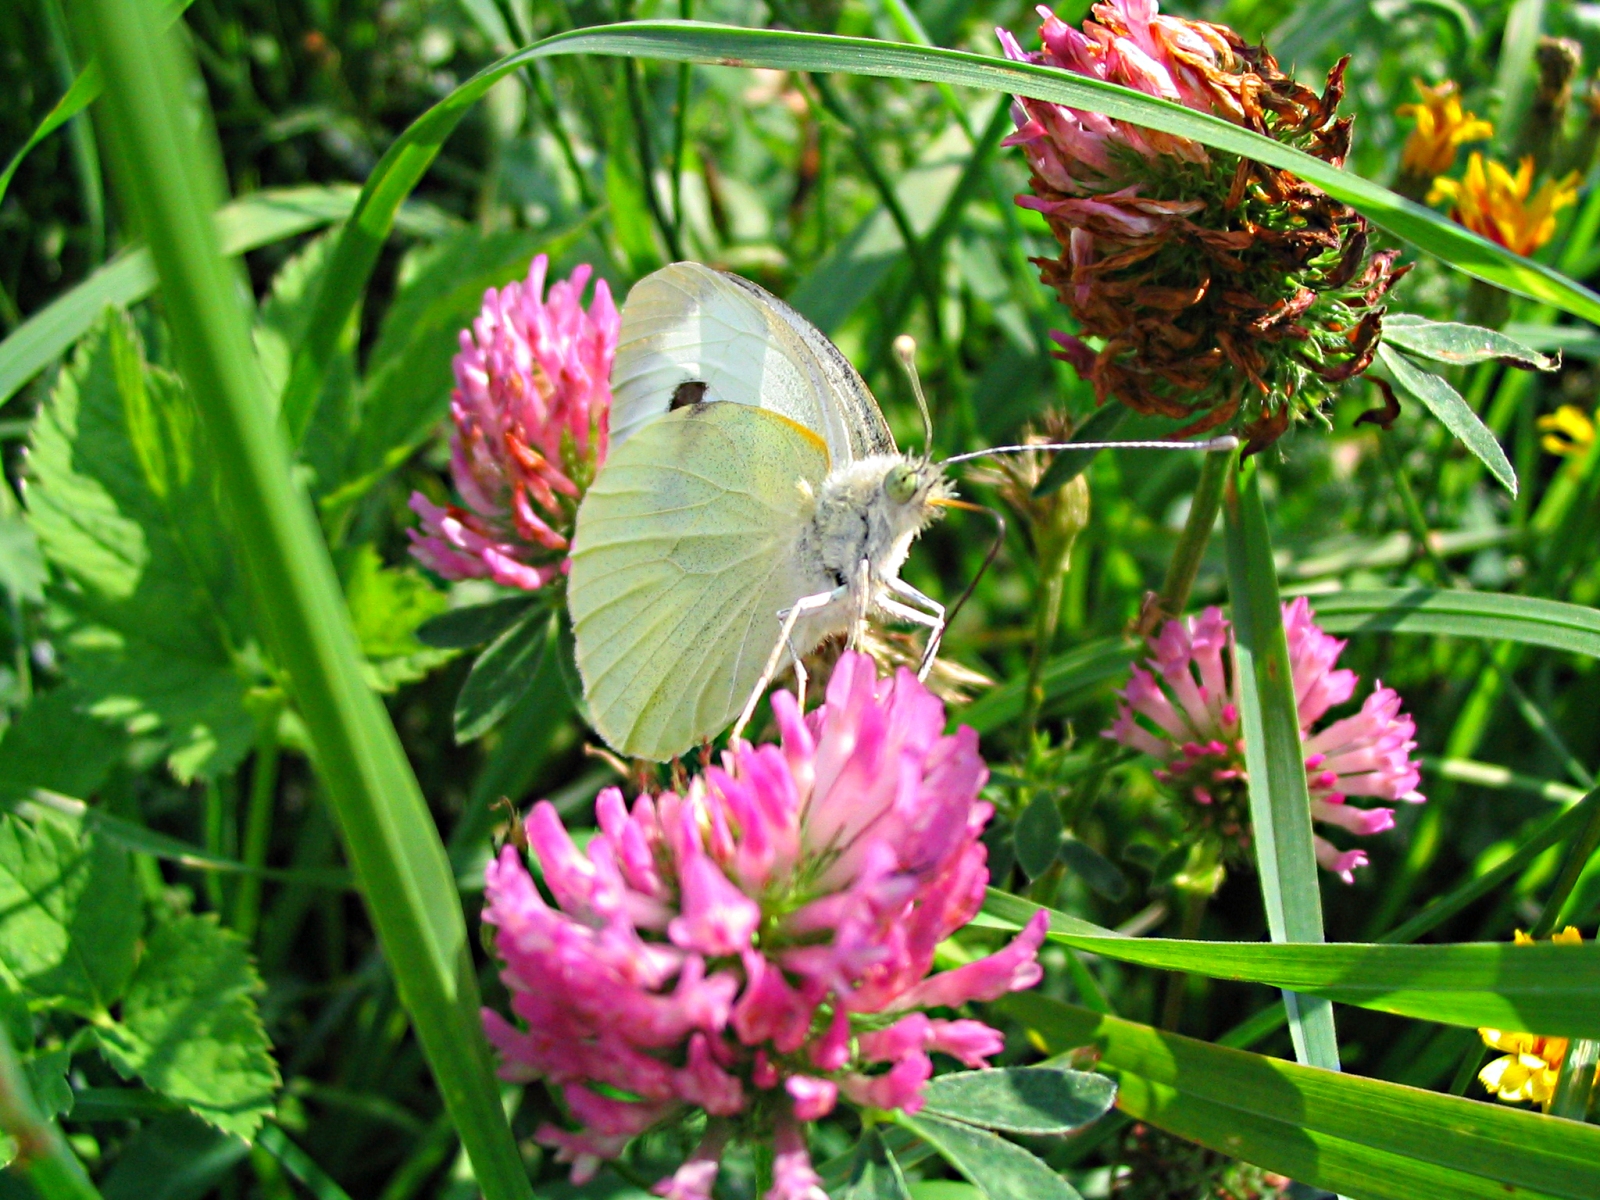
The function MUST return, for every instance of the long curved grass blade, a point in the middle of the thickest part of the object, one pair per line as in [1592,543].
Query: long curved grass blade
[76,98]
[1364,1138]
[167,174]
[1280,803]
[1456,613]
[1471,984]
[245,224]
[409,157]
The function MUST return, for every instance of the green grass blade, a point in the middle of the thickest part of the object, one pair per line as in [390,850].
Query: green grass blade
[1552,989]
[1364,1138]
[166,174]
[409,157]
[1453,412]
[1456,613]
[1068,676]
[245,224]
[1280,804]
[77,98]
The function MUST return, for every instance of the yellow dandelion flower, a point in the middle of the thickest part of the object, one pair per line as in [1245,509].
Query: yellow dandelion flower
[1529,1065]
[1442,126]
[1568,431]
[1492,202]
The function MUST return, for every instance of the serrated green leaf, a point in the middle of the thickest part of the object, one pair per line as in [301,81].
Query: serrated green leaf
[1037,836]
[1026,1100]
[190,1029]
[874,1174]
[52,744]
[997,1168]
[1444,402]
[501,675]
[22,570]
[387,605]
[475,624]
[1364,1138]
[70,916]
[124,505]
[1458,344]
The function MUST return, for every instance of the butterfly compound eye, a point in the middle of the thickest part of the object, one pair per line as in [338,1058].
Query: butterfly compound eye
[900,484]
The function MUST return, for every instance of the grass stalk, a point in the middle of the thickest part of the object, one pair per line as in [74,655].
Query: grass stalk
[167,173]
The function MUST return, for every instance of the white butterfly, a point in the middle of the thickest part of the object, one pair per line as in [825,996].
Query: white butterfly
[753,503]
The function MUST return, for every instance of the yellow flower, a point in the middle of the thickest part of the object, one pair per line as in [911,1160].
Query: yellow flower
[1568,431]
[1442,125]
[1528,1069]
[1494,203]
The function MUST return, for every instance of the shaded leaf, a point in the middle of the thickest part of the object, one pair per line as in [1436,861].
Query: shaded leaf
[1067,679]
[1038,835]
[172,1158]
[70,915]
[52,744]
[1029,1100]
[1457,344]
[501,676]
[1101,426]
[123,500]
[997,1168]
[1094,868]
[190,1028]
[874,1174]
[22,570]
[474,624]
[1444,402]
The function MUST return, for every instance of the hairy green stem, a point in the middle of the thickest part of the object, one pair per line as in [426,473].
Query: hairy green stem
[167,172]
[1191,547]
[1046,618]
[258,821]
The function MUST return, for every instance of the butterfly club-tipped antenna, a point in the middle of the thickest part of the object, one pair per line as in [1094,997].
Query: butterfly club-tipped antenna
[905,349]
[1210,445]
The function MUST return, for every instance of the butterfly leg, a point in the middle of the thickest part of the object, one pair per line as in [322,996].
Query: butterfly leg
[791,617]
[936,624]
[862,599]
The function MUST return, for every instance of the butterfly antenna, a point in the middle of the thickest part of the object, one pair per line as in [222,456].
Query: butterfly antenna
[1227,442]
[905,348]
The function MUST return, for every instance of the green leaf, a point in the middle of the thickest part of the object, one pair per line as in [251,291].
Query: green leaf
[22,570]
[1551,989]
[52,744]
[1280,803]
[164,173]
[387,606]
[1458,345]
[1067,465]
[1362,1138]
[1028,1100]
[874,1174]
[502,675]
[172,1158]
[1094,868]
[1580,341]
[1038,835]
[124,502]
[997,1168]
[1455,613]
[474,624]
[1067,679]
[70,916]
[46,1076]
[190,1029]
[1444,402]
[246,224]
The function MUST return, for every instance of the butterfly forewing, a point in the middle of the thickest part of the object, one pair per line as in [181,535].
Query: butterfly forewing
[683,555]
[687,323]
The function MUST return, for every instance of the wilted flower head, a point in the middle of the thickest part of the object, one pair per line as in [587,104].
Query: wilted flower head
[531,408]
[759,947]
[1494,203]
[1442,126]
[1190,721]
[1222,288]
[1569,431]
[1528,1070]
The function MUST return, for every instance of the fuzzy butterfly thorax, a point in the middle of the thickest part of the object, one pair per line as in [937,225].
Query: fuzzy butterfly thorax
[871,511]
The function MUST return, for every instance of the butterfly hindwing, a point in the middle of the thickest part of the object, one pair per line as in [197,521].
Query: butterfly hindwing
[685,550]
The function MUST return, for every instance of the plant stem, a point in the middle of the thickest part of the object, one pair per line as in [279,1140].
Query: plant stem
[43,1156]
[1046,617]
[258,821]
[1191,547]
[680,129]
[1575,1083]
[167,172]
